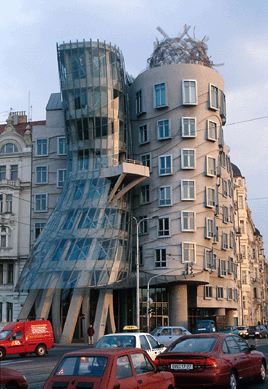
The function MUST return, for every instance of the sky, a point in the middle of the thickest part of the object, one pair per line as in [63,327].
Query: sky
[237,31]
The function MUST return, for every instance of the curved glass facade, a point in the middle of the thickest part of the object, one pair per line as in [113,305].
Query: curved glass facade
[86,239]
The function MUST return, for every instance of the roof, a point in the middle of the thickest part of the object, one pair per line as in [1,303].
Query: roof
[20,128]
[236,171]
[54,102]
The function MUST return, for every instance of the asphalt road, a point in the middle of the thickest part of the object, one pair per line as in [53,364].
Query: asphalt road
[37,369]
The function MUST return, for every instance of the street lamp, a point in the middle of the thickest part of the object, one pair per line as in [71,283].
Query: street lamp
[138,270]
[148,291]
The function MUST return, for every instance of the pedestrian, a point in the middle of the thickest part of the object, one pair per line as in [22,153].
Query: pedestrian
[90,332]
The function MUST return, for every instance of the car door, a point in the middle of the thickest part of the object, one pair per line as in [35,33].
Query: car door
[144,344]
[155,347]
[165,336]
[237,358]
[248,361]
[145,372]
[16,343]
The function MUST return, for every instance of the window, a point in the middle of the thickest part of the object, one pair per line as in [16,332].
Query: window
[211,130]
[1,204]
[210,197]
[9,203]
[209,228]
[139,102]
[208,292]
[163,227]
[9,314]
[187,190]
[61,177]
[187,221]
[38,228]
[165,165]
[242,226]
[225,217]
[123,368]
[223,271]
[210,166]
[143,134]
[214,97]
[229,293]
[143,225]
[235,294]
[62,147]
[10,273]
[219,292]
[40,202]
[163,129]
[224,241]
[160,95]
[188,127]
[41,174]
[189,92]
[13,172]
[188,252]
[230,265]
[232,240]
[244,302]
[42,147]
[187,159]
[231,213]
[224,188]
[161,257]
[223,159]
[1,273]
[4,237]
[145,194]
[146,160]
[208,259]
[165,196]
[2,172]
[9,148]
[240,202]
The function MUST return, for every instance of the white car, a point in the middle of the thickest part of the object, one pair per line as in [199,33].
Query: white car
[132,339]
[168,334]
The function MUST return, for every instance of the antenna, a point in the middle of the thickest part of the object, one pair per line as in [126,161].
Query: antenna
[29,108]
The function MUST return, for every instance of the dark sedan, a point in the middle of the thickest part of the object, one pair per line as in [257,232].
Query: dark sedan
[257,332]
[209,360]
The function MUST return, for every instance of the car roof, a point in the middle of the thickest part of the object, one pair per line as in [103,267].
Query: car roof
[171,327]
[103,352]
[127,333]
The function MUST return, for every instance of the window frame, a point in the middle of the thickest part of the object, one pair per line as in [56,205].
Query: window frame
[138,102]
[162,104]
[208,292]
[188,218]
[41,182]
[161,250]
[165,157]
[47,146]
[188,198]
[225,244]
[211,190]
[148,159]
[188,157]
[215,93]
[183,124]
[209,228]
[58,172]
[163,188]
[12,171]
[168,136]
[40,227]
[59,146]
[35,202]
[142,126]
[192,101]
[215,136]
[219,293]
[211,173]
[222,268]
[163,219]
[147,193]
[185,249]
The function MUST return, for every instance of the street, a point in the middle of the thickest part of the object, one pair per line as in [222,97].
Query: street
[37,369]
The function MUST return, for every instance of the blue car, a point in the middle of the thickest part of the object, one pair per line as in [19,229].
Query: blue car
[229,330]
[204,326]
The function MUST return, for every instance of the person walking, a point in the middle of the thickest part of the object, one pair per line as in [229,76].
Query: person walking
[90,332]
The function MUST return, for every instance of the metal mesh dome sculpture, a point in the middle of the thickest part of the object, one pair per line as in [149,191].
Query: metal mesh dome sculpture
[182,49]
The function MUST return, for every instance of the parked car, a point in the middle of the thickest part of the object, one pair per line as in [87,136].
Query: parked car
[257,332]
[108,368]
[243,331]
[204,326]
[132,339]
[212,360]
[167,335]
[23,337]
[12,379]
[228,330]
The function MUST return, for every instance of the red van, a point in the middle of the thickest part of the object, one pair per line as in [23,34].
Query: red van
[24,337]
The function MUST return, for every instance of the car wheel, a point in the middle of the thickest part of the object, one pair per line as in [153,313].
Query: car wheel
[40,350]
[262,373]
[2,353]
[232,381]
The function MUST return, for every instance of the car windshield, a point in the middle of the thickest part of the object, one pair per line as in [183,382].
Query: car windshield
[117,341]
[4,334]
[82,366]
[202,324]
[156,330]
[253,327]
[241,328]
[225,328]
[193,344]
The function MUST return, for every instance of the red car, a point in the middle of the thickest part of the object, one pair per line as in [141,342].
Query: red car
[108,368]
[12,379]
[209,360]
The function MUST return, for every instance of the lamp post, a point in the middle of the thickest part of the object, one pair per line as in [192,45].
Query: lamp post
[148,292]
[138,270]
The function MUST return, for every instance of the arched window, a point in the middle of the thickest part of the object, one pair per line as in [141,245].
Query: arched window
[9,148]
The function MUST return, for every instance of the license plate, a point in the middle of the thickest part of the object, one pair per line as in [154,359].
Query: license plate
[181,366]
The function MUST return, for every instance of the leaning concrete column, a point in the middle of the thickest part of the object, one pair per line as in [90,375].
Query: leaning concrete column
[178,306]
[56,315]
[104,311]
[27,306]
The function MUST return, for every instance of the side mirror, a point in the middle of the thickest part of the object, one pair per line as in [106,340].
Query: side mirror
[161,345]
[252,347]
[158,369]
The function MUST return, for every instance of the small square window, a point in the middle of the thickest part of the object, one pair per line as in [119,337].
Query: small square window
[220,294]
[40,202]
[188,252]
[211,130]
[41,175]
[189,92]
[163,129]
[188,127]
[165,196]
[165,165]
[41,147]
[187,190]
[208,292]
[188,159]
[187,221]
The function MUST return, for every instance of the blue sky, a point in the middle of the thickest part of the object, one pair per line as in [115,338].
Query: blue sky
[237,32]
